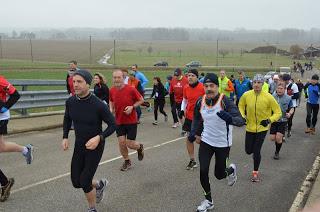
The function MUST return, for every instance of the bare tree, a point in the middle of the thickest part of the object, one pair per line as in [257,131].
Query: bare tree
[150,50]
[223,52]
[296,51]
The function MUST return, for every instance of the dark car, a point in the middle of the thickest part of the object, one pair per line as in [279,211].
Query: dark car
[161,63]
[193,64]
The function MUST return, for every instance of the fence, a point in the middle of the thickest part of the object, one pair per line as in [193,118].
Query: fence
[41,99]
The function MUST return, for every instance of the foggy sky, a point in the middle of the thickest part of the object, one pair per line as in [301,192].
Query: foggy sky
[222,14]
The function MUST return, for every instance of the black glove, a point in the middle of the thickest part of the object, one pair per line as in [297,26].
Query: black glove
[225,116]
[265,122]
[181,113]
[191,138]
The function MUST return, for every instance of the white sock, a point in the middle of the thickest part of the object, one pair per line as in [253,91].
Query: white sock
[25,150]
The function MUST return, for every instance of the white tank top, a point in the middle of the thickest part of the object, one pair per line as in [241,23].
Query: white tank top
[215,132]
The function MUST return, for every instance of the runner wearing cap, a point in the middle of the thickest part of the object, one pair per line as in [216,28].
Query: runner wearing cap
[214,115]
[178,82]
[191,94]
[292,90]
[259,109]
[87,112]
[274,83]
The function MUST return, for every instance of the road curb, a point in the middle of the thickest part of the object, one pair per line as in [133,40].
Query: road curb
[305,189]
[53,126]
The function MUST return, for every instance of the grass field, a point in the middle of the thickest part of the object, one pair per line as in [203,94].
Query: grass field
[56,53]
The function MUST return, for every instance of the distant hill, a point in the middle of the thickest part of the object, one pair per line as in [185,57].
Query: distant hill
[269,50]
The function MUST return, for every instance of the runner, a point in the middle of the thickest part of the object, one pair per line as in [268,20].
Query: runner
[126,117]
[292,91]
[134,82]
[218,114]
[312,93]
[69,82]
[87,113]
[101,89]
[242,85]
[259,108]
[176,89]
[225,85]
[7,89]
[6,184]
[159,92]
[191,94]
[277,129]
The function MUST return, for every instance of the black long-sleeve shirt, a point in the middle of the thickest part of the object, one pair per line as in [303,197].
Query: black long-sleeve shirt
[87,115]
[229,106]
[102,92]
[158,91]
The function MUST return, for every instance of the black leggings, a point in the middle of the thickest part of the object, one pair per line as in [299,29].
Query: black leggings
[3,179]
[173,109]
[253,144]
[290,120]
[205,154]
[84,164]
[159,103]
[312,111]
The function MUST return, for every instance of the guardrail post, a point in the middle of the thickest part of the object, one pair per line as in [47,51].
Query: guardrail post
[24,111]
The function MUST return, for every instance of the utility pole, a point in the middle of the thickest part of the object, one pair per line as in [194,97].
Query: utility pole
[31,48]
[114,52]
[90,51]
[217,52]
[1,47]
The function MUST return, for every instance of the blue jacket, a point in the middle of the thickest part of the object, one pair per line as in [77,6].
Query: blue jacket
[143,79]
[312,93]
[241,88]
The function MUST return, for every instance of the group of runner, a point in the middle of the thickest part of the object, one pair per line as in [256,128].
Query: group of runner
[206,111]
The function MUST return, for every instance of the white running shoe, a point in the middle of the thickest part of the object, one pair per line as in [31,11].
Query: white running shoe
[175,125]
[232,178]
[100,192]
[205,205]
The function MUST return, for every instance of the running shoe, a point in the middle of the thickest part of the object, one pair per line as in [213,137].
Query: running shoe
[192,164]
[92,210]
[308,130]
[313,131]
[175,125]
[276,156]
[5,190]
[29,154]
[205,205]
[183,133]
[255,177]
[155,123]
[100,192]
[140,152]
[126,165]
[232,178]
[289,134]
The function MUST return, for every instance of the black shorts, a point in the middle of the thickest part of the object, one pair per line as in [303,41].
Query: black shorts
[187,125]
[278,127]
[4,127]
[129,130]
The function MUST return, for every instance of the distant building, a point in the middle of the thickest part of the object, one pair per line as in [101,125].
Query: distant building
[311,52]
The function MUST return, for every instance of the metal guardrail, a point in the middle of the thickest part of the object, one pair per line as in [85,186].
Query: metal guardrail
[41,99]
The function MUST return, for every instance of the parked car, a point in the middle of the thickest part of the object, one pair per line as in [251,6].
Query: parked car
[193,64]
[269,75]
[161,63]
[285,70]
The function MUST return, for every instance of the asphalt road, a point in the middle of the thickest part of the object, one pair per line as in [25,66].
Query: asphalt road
[160,182]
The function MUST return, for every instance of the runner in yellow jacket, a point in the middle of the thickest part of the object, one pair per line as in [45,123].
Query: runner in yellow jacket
[259,109]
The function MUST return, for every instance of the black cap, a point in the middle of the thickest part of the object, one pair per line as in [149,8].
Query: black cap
[286,77]
[169,77]
[211,77]
[85,75]
[177,72]
[315,77]
[194,71]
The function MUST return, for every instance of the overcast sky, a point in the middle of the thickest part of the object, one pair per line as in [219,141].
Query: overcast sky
[222,14]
